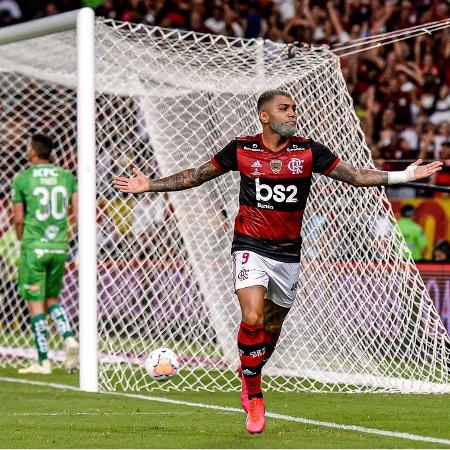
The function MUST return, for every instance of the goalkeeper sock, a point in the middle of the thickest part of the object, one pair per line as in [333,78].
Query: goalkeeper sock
[59,317]
[270,339]
[251,352]
[40,332]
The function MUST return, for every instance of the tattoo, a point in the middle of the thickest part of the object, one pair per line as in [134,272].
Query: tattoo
[358,177]
[186,179]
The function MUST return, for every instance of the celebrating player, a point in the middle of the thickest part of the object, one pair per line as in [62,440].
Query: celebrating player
[41,198]
[276,168]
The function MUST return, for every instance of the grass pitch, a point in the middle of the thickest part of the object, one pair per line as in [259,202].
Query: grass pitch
[42,416]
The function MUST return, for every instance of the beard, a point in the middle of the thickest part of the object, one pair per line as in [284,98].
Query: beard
[283,129]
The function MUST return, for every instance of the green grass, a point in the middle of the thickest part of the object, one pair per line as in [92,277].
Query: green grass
[45,417]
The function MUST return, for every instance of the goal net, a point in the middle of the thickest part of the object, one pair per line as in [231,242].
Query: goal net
[167,100]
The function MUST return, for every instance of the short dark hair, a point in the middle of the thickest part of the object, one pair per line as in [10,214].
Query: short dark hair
[268,96]
[408,211]
[43,145]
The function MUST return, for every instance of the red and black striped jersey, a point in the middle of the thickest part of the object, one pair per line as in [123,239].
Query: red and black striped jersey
[273,192]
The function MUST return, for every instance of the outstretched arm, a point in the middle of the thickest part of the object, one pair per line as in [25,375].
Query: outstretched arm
[182,180]
[368,177]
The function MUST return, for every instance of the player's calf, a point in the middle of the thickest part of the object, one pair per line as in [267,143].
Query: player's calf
[244,390]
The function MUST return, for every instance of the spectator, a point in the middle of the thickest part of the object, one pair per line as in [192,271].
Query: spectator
[11,8]
[254,24]
[441,251]
[107,10]
[216,24]
[442,178]
[51,9]
[412,232]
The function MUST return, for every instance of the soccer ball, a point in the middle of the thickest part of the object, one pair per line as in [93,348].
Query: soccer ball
[162,364]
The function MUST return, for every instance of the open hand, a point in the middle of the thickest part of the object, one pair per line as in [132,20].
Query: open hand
[136,185]
[427,170]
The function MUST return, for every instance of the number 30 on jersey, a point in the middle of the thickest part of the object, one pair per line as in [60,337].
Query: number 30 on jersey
[54,202]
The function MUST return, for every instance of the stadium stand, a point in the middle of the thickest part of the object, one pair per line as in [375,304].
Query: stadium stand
[401,92]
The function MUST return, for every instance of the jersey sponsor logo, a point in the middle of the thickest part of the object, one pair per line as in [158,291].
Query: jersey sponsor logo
[295,148]
[295,165]
[294,286]
[264,206]
[275,165]
[249,373]
[253,148]
[256,165]
[33,288]
[45,172]
[279,193]
[39,252]
[258,353]
[51,232]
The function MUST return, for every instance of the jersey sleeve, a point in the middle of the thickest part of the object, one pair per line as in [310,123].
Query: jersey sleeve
[324,160]
[226,159]
[17,190]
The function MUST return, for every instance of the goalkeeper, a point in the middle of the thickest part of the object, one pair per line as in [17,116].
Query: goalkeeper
[276,169]
[41,198]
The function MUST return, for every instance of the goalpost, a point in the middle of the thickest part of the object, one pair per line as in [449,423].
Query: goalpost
[160,275]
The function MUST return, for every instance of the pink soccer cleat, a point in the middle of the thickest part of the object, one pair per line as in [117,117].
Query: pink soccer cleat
[244,392]
[256,422]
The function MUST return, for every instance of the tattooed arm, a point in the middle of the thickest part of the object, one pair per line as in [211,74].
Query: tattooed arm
[182,180]
[368,177]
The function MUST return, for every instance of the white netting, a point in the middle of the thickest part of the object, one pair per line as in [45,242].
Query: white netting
[167,101]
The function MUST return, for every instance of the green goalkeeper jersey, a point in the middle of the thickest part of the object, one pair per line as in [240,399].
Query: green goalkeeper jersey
[46,192]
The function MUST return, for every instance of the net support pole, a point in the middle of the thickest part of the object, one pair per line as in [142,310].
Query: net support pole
[87,199]
[84,21]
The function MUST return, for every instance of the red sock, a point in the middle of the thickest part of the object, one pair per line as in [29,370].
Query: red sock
[251,351]
[270,339]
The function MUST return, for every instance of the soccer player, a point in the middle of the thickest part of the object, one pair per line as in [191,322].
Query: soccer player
[276,168]
[42,195]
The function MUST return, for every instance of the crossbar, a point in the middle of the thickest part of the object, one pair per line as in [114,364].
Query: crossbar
[39,27]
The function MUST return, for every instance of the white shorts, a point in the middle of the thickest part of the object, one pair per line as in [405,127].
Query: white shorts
[279,278]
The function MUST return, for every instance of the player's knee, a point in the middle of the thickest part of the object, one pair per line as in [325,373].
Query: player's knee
[253,318]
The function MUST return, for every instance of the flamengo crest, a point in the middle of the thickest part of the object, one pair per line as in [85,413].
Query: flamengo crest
[296,166]
[275,165]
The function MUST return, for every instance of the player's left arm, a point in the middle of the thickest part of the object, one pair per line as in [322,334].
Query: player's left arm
[18,217]
[368,177]
[74,206]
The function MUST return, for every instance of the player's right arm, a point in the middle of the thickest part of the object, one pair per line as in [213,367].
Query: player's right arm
[220,163]
[178,182]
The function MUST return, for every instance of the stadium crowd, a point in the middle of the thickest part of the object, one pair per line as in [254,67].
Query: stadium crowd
[401,92]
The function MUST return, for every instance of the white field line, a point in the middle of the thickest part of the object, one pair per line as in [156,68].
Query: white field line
[91,413]
[319,423]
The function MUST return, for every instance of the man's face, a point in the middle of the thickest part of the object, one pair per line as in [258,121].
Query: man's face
[280,114]
[439,255]
[445,152]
